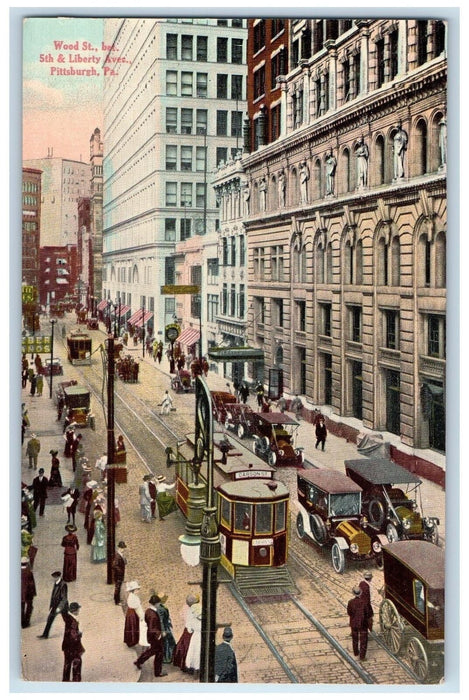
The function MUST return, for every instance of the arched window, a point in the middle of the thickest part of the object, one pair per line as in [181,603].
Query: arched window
[135,274]
[420,148]
[348,263]
[272,196]
[382,260]
[379,171]
[437,143]
[317,180]
[295,188]
[345,182]
[329,263]
[359,262]
[440,260]
[396,261]
[423,263]
[320,263]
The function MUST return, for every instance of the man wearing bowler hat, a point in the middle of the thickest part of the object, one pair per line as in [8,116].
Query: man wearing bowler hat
[40,484]
[71,645]
[118,568]
[58,602]
[226,668]
[357,611]
[155,639]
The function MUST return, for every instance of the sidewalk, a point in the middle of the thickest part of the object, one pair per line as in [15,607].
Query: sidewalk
[101,621]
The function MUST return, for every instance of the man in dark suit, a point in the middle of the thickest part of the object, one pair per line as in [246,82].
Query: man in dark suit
[364,586]
[40,484]
[58,602]
[358,615]
[226,668]
[28,591]
[71,645]
[154,638]
[118,568]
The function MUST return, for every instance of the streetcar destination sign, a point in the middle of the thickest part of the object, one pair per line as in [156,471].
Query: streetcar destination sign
[180,289]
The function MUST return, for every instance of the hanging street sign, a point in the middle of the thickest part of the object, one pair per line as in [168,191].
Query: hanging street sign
[180,289]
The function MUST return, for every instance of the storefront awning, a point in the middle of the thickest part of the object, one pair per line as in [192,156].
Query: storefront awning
[123,310]
[102,305]
[241,353]
[139,318]
[188,337]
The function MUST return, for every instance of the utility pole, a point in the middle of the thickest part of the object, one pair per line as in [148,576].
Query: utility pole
[111,532]
[143,329]
[53,322]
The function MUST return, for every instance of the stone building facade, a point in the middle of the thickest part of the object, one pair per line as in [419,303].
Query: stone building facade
[347,226]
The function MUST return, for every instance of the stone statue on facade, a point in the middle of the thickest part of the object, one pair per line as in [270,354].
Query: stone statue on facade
[304,178]
[400,141]
[331,165]
[362,154]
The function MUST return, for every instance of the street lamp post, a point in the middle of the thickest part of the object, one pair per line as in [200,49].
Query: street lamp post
[143,329]
[53,322]
[111,535]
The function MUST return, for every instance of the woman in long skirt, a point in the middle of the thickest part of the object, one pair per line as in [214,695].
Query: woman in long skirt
[71,546]
[55,478]
[134,626]
[180,652]
[98,543]
[195,625]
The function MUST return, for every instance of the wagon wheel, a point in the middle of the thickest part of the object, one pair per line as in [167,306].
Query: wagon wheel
[300,528]
[391,533]
[338,558]
[240,431]
[418,659]
[391,626]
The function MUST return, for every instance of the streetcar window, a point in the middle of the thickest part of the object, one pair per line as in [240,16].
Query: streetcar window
[263,519]
[226,513]
[344,504]
[280,516]
[419,595]
[243,517]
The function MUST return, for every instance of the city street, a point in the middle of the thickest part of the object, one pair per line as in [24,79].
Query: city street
[154,559]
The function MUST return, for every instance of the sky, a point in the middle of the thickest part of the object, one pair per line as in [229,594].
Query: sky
[60,112]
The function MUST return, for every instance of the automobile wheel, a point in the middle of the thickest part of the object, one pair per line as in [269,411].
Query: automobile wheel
[391,533]
[318,529]
[272,459]
[338,559]
[434,536]
[240,432]
[300,528]
[376,512]
[255,446]
[300,456]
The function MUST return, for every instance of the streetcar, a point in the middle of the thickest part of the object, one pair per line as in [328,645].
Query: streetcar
[411,614]
[79,348]
[253,512]
[77,402]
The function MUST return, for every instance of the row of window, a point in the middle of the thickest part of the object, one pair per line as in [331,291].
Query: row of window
[204,21]
[260,30]
[189,48]
[184,84]
[29,186]
[185,191]
[230,248]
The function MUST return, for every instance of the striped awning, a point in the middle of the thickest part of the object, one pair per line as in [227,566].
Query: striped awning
[124,309]
[139,317]
[102,305]
[188,337]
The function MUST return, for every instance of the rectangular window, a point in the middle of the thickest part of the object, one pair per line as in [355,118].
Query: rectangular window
[393,49]
[170,229]
[222,122]
[202,48]
[277,263]
[264,512]
[202,80]
[222,49]
[172,47]
[236,51]
[233,251]
[169,271]
[201,121]
[259,36]
[326,314]
[200,159]
[437,336]
[222,155]
[171,157]
[200,188]
[186,121]
[171,194]
[233,300]
[186,84]
[171,82]
[212,307]
[222,86]
[185,227]
[259,263]
[275,122]
[380,61]
[186,47]
[277,312]
[301,315]
[236,122]
[242,251]
[392,329]
[186,194]
[171,120]
[356,324]
[259,82]
[259,309]
[186,158]
[242,301]
[169,305]
[224,299]
[277,68]
[236,87]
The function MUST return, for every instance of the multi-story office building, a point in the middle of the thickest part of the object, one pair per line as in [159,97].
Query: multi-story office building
[58,277]
[63,183]
[347,224]
[173,111]
[96,221]
[31,226]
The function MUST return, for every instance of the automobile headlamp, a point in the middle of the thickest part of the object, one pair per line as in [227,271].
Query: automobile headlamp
[354,548]
[407,524]
[376,546]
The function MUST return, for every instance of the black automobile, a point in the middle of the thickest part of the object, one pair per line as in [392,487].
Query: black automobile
[390,500]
